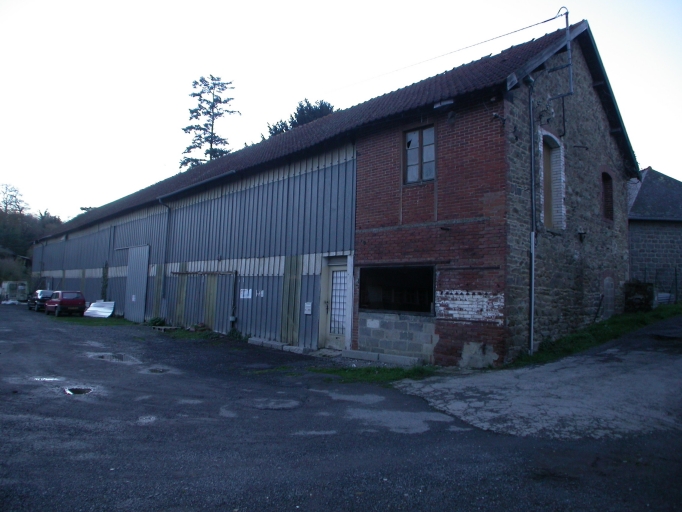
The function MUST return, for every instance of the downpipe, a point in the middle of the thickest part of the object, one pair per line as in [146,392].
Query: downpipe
[528,80]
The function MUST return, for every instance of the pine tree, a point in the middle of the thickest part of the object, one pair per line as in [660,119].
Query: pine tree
[304,113]
[210,107]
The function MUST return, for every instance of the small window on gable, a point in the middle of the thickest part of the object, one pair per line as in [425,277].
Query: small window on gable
[607,195]
[420,155]
[553,208]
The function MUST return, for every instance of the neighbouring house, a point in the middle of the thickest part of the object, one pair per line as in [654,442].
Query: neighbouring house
[400,229]
[655,225]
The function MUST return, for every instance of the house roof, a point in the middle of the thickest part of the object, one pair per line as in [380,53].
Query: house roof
[659,198]
[504,70]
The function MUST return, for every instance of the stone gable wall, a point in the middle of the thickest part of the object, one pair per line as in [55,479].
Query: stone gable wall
[655,252]
[571,269]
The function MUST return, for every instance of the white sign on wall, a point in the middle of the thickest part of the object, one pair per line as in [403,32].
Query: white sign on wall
[245,293]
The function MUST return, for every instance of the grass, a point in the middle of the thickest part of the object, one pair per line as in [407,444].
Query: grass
[596,334]
[96,322]
[376,374]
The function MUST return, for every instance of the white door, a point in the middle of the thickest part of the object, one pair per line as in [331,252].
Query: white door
[335,307]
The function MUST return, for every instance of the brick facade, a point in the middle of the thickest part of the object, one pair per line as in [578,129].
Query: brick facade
[472,223]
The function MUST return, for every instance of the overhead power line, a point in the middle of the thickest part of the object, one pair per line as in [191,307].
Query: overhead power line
[558,15]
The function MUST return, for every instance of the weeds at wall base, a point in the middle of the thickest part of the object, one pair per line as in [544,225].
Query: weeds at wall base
[596,334]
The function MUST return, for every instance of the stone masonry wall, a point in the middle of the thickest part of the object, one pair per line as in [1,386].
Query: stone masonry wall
[571,269]
[655,252]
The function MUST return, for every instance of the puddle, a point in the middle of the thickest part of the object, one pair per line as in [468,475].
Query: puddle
[158,370]
[146,420]
[272,404]
[77,391]
[114,358]
[47,379]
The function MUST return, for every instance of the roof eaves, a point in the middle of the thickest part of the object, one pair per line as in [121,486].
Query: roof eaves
[619,131]
[527,68]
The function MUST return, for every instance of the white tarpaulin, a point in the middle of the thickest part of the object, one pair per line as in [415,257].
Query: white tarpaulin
[100,309]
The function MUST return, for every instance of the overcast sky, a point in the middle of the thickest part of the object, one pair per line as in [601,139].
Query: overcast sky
[94,94]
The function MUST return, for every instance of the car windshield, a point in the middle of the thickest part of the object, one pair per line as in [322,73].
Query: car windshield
[46,293]
[71,295]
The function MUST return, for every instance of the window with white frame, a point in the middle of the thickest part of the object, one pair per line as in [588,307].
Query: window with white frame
[420,155]
[553,183]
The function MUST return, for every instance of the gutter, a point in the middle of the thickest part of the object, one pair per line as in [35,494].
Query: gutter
[196,185]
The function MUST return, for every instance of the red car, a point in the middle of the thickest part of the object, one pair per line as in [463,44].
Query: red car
[63,302]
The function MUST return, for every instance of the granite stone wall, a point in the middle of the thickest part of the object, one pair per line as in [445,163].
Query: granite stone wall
[576,261]
[655,253]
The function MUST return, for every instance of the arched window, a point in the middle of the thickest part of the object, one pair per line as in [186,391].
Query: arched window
[553,208]
[607,195]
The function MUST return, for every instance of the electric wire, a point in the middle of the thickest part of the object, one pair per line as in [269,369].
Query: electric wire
[558,15]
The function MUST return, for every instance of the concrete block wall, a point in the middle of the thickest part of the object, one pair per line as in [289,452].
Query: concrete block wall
[398,334]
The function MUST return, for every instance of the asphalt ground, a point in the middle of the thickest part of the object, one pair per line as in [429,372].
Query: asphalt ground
[628,386]
[220,425]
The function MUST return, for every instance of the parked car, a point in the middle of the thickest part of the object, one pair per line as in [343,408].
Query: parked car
[65,302]
[37,299]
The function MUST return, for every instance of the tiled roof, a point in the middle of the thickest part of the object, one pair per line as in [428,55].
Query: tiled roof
[478,75]
[659,198]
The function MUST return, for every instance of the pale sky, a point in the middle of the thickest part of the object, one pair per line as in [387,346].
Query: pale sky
[94,94]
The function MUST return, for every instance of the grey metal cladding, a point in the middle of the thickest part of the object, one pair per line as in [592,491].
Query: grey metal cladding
[136,283]
[259,315]
[308,324]
[306,213]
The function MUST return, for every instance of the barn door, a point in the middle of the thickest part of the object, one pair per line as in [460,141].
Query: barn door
[136,283]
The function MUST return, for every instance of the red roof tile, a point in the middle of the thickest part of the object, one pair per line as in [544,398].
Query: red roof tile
[478,75]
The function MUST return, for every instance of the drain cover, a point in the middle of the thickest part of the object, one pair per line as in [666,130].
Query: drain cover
[77,391]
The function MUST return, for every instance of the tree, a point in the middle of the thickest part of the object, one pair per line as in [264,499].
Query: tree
[210,107]
[304,113]
[10,200]
[18,229]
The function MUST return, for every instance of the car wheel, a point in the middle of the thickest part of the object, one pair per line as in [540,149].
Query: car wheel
[47,311]
[56,311]
[28,306]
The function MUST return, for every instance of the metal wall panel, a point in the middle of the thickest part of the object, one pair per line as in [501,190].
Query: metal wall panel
[136,283]
[311,212]
[310,292]
[224,303]
[304,208]
[116,293]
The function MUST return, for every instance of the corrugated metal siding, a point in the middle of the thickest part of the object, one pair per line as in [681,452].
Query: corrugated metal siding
[116,292]
[312,212]
[308,324]
[301,210]
[259,316]
[136,283]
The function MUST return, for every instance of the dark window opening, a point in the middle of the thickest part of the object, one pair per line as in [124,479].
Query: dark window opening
[607,195]
[397,289]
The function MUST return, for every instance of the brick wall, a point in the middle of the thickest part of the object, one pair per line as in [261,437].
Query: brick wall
[455,223]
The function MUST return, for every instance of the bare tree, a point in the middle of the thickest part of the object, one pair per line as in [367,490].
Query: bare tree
[10,200]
